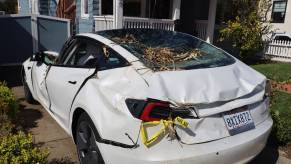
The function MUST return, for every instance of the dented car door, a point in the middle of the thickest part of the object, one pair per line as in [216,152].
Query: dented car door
[39,72]
[67,77]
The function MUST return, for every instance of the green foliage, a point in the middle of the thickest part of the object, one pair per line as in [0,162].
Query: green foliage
[9,6]
[8,104]
[281,114]
[247,28]
[15,148]
[19,148]
[6,126]
[279,72]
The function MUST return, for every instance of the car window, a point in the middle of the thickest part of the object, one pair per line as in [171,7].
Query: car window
[112,59]
[89,54]
[283,38]
[168,50]
[67,48]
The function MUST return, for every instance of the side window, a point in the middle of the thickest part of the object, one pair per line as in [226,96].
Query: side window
[70,43]
[112,59]
[90,54]
[282,38]
[86,55]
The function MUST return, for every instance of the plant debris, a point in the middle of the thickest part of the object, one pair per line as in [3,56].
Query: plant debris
[128,38]
[160,58]
[166,58]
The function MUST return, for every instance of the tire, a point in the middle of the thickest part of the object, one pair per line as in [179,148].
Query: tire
[28,96]
[85,137]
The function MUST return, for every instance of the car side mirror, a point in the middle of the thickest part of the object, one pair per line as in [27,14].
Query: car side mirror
[50,57]
[39,57]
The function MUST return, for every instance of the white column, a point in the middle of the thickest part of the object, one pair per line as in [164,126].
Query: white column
[211,21]
[118,13]
[176,9]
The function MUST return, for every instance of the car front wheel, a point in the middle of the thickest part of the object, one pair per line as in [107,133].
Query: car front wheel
[85,137]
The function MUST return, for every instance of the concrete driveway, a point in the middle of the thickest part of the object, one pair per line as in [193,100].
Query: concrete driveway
[50,135]
[46,132]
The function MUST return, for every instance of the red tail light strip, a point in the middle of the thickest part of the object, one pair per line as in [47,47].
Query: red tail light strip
[145,116]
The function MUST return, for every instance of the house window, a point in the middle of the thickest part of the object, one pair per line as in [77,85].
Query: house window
[107,7]
[279,11]
[84,9]
[132,8]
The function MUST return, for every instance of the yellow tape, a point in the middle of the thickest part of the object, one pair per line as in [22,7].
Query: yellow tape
[163,131]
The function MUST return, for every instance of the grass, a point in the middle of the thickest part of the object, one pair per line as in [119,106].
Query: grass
[276,71]
[282,103]
[281,114]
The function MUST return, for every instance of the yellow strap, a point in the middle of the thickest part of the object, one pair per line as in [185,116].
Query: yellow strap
[163,131]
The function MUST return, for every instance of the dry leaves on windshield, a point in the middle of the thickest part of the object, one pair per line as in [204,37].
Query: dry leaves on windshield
[165,58]
[160,58]
[129,38]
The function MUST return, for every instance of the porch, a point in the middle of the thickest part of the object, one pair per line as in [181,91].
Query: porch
[157,18]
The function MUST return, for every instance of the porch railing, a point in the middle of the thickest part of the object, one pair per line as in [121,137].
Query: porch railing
[107,23]
[201,28]
[136,22]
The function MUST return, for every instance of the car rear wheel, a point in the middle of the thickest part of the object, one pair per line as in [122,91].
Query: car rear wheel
[85,137]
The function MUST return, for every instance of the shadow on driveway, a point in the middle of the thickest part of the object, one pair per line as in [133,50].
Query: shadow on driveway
[269,154]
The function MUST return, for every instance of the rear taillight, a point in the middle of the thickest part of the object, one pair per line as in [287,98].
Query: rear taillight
[155,110]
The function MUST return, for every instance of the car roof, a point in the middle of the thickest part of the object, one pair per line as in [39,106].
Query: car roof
[282,34]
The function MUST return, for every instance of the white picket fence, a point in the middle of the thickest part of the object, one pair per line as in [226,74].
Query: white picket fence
[278,48]
[107,23]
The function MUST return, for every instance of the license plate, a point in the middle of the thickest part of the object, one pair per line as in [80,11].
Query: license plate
[238,120]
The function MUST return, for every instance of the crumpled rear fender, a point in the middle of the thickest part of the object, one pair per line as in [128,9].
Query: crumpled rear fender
[106,106]
[108,121]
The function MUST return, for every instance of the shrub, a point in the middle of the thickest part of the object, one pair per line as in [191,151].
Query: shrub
[8,104]
[6,126]
[19,148]
[247,28]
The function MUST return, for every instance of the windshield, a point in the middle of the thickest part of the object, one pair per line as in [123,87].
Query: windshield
[168,50]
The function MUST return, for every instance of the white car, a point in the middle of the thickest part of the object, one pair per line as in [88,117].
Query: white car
[281,37]
[151,96]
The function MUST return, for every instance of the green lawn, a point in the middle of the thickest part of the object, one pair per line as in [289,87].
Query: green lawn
[281,114]
[276,71]
[281,101]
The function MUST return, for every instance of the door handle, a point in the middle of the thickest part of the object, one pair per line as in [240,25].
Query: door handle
[72,82]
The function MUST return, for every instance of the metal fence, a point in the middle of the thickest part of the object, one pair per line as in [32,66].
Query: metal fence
[21,36]
[278,48]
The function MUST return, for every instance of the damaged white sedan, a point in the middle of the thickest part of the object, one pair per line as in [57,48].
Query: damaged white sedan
[151,96]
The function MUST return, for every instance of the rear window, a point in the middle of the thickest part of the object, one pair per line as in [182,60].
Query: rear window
[168,50]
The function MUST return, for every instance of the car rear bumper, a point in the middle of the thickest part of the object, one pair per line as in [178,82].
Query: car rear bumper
[239,148]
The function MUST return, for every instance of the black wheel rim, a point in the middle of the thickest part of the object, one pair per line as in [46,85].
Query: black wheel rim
[88,151]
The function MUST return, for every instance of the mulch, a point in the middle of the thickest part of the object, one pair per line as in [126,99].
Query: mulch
[281,86]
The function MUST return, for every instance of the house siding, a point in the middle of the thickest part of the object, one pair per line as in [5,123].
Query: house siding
[86,24]
[24,7]
[286,26]
[46,7]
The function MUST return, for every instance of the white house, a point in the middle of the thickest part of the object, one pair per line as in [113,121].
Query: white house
[280,16]
[196,17]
